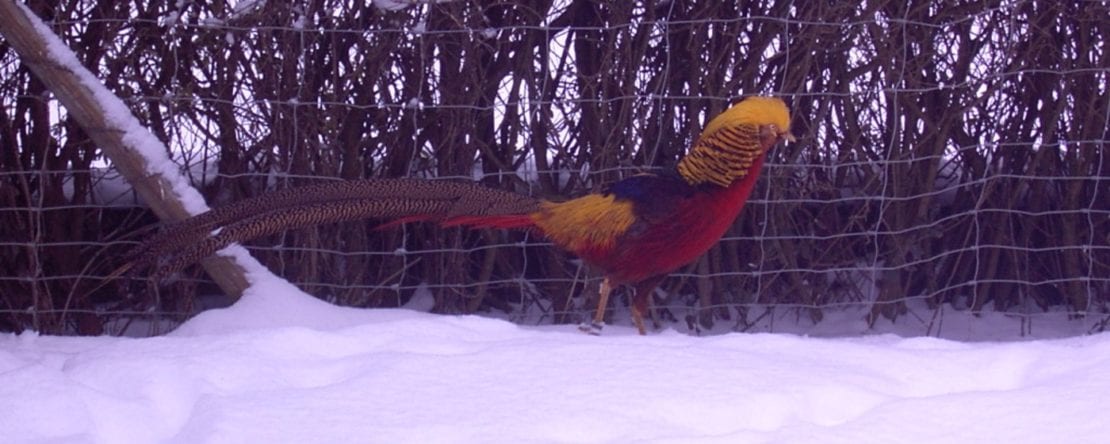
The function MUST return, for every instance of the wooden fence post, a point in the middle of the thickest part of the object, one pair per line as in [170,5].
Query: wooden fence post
[80,101]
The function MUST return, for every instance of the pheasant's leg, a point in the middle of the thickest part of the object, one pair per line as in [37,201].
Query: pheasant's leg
[638,319]
[641,301]
[602,301]
[594,328]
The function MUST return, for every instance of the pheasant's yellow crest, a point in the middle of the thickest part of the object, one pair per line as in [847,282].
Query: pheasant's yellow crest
[730,142]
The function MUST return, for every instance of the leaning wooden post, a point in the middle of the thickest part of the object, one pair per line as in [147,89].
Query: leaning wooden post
[118,136]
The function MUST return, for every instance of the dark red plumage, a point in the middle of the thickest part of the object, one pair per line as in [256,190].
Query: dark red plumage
[675,226]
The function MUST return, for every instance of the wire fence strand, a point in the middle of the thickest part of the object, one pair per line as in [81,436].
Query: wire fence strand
[951,155]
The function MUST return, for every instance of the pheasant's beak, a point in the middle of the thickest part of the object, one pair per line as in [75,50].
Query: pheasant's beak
[787,136]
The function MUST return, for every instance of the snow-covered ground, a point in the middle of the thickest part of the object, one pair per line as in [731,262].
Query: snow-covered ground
[280,366]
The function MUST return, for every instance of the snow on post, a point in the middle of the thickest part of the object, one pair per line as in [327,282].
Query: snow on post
[140,157]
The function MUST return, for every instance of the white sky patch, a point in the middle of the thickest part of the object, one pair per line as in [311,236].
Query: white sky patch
[397,5]
[170,19]
[245,7]
[302,20]
[392,5]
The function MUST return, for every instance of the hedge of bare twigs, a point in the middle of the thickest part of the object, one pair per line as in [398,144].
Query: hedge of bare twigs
[949,153]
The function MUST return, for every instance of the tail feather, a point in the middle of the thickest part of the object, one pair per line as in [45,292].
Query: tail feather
[403,200]
[292,218]
[507,221]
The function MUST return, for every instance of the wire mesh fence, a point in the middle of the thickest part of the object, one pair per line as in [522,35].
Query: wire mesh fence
[950,154]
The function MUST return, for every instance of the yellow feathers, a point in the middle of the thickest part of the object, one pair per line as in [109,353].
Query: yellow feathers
[731,142]
[754,110]
[593,221]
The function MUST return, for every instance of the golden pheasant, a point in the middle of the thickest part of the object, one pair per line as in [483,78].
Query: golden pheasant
[636,231]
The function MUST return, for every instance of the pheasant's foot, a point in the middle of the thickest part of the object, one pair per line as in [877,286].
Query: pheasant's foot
[591,328]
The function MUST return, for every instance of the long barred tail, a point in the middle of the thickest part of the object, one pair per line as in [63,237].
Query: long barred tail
[398,200]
